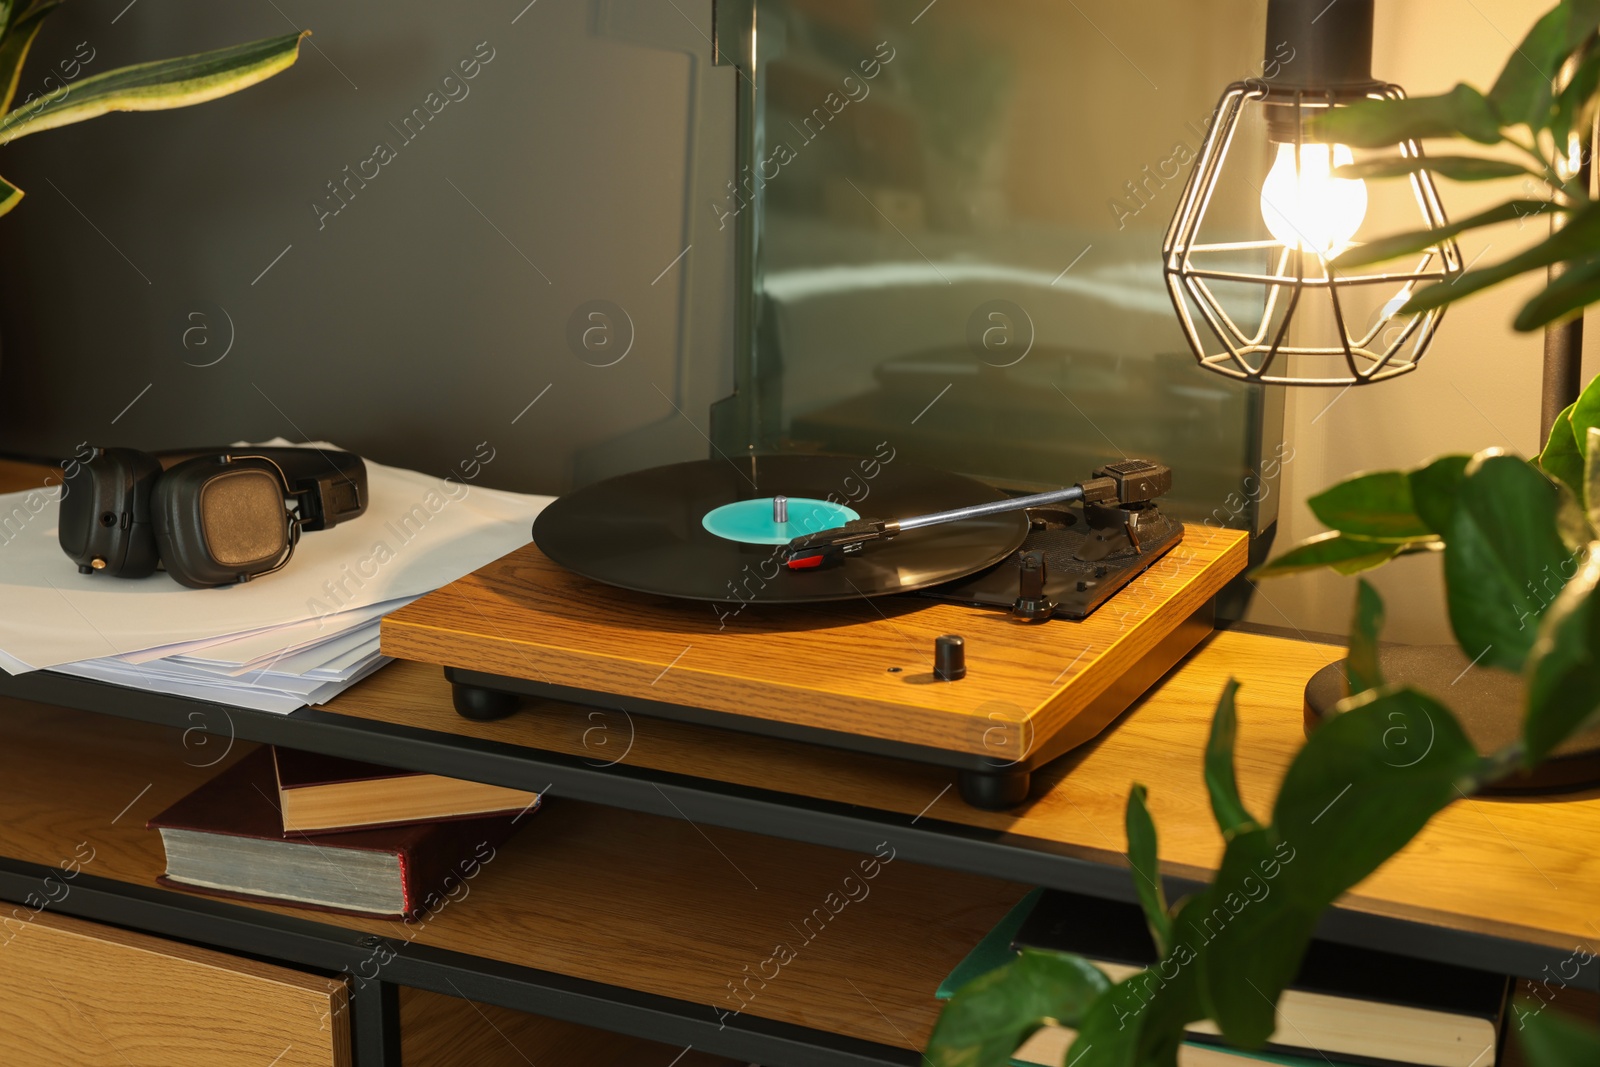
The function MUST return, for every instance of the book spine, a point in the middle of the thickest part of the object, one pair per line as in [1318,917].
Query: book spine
[440,866]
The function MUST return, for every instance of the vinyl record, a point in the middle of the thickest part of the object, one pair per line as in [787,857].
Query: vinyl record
[646,531]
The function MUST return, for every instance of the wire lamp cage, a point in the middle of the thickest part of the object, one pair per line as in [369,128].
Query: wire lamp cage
[1276,309]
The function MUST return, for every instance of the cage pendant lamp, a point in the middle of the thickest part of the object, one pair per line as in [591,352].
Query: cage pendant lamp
[1275,307]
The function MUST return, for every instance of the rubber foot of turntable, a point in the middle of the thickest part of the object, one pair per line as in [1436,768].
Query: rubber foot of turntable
[482,705]
[995,790]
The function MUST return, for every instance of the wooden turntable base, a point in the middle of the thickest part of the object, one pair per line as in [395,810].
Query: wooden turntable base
[852,674]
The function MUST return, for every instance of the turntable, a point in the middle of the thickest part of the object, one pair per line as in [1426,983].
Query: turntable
[865,603]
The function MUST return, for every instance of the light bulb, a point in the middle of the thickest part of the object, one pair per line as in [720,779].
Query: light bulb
[1305,207]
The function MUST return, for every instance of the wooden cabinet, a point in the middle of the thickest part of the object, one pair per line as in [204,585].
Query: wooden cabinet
[82,993]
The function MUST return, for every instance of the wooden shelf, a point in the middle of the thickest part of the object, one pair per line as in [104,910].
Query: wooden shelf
[640,902]
[1519,869]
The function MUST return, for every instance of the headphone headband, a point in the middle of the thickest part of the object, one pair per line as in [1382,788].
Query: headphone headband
[331,486]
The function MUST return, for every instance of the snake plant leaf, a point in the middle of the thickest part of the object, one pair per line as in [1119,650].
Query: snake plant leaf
[10,196]
[1574,289]
[1552,1039]
[1375,507]
[166,83]
[1346,555]
[1560,458]
[1433,490]
[989,1017]
[14,46]
[1574,241]
[1456,168]
[1462,112]
[1504,560]
[1362,786]
[1221,782]
[1142,854]
[1564,666]
[1402,244]
[1361,664]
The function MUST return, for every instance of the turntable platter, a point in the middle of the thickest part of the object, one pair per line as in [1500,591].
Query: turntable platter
[647,531]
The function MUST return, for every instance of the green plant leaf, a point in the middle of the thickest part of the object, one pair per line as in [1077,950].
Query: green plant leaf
[1139,1021]
[1564,666]
[1568,455]
[1573,241]
[1561,459]
[1402,244]
[1585,21]
[1433,490]
[1574,289]
[166,83]
[1456,168]
[1361,665]
[1221,783]
[990,1016]
[1586,411]
[1376,507]
[1346,555]
[1242,999]
[1361,787]
[1463,112]
[1357,792]
[1572,100]
[14,47]
[1142,857]
[1591,479]
[1503,558]
[1522,93]
[1552,1039]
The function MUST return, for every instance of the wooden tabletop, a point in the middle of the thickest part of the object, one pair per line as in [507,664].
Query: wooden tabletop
[1517,868]
[16,477]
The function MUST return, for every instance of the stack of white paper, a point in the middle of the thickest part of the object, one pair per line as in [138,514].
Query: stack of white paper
[296,637]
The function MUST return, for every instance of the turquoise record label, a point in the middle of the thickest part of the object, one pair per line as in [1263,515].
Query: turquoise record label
[750,522]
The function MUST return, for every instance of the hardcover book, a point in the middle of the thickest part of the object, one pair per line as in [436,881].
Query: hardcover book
[319,793]
[227,838]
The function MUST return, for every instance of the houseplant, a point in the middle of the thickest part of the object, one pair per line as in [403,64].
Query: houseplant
[1520,547]
[167,83]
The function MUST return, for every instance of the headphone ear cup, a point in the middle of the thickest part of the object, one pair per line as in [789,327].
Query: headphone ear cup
[105,513]
[218,522]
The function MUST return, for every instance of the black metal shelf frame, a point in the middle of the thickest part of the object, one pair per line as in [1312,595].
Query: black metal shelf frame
[919,839]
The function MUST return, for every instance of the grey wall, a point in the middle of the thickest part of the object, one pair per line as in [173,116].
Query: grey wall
[426,314]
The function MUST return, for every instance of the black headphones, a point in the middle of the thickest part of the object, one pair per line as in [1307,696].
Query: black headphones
[211,516]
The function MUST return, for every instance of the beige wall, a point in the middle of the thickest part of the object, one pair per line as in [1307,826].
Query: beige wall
[1478,386]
